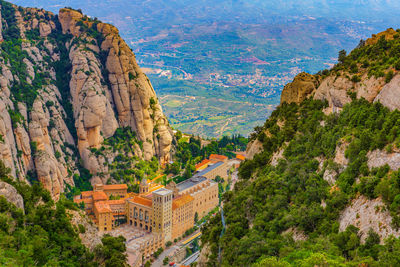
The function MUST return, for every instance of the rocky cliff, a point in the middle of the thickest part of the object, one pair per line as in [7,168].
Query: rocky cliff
[68,83]
[359,74]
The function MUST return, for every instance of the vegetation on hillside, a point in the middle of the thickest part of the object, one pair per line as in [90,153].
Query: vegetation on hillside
[380,59]
[189,151]
[269,200]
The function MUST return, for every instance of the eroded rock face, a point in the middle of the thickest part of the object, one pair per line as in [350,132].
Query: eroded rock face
[11,195]
[253,148]
[44,136]
[335,90]
[302,86]
[379,158]
[91,236]
[340,157]
[389,96]
[337,87]
[368,214]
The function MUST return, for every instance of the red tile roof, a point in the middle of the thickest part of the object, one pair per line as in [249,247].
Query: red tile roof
[114,186]
[142,201]
[102,207]
[218,157]
[99,195]
[115,202]
[202,163]
[241,157]
[86,194]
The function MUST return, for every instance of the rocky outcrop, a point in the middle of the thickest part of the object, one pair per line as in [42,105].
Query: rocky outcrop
[330,176]
[389,96]
[81,83]
[379,158]
[340,157]
[296,234]
[302,86]
[253,148]
[203,257]
[11,195]
[277,156]
[335,90]
[88,232]
[337,86]
[368,214]
[388,35]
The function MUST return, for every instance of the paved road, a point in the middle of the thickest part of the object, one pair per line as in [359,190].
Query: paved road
[159,261]
[192,258]
[170,251]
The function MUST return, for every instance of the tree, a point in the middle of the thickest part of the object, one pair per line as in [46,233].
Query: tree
[342,56]
[165,261]
[196,217]
[112,251]
[189,169]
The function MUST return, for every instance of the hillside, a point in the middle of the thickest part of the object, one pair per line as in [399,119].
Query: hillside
[73,103]
[320,186]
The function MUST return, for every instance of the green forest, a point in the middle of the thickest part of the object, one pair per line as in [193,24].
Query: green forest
[269,200]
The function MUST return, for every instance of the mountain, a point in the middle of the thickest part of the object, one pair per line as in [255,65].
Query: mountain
[320,186]
[214,62]
[73,102]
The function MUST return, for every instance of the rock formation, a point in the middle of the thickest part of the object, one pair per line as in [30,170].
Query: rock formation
[11,195]
[80,83]
[368,214]
[337,86]
[303,85]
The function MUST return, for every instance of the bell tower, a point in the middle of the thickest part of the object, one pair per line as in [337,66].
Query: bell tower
[144,186]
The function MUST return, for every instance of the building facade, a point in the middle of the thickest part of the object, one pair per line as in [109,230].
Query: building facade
[104,216]
[182,215]
[216,165]
[203,191]
[139,211]
[162,212]
[115,190]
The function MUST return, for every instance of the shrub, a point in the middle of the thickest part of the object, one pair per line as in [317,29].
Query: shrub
[165,261]
[355,79]
[82,229]
[389,76]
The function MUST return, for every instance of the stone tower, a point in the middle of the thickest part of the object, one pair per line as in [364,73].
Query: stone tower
[144,186]
[162,213]
[172,186]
